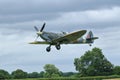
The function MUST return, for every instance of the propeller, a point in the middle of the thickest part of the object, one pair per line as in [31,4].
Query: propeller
[36,28]
[42,27]
[36,37]
[39,32]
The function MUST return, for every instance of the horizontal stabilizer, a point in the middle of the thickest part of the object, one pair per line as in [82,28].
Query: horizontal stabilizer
[94,38]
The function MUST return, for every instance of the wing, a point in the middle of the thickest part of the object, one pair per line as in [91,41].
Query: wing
[70,37]
[65,39]
[39,42]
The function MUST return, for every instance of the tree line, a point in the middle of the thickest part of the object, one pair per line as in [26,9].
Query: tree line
[50,72]
[92,63]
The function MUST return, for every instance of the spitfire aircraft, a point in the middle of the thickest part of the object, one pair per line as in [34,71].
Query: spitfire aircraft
[57,39]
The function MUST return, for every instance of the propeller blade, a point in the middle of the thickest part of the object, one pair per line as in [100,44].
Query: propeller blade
[36,38]
[42,27]
[36,28]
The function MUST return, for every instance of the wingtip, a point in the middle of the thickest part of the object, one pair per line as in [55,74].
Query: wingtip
[84,31]
[32,42]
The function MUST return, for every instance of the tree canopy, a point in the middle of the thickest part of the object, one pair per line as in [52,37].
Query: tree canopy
[93,63]
[34,75]
[4,74]
[51,71]
[117,70]
[19,74]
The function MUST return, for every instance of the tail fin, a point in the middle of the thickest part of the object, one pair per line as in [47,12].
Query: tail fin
[90,37]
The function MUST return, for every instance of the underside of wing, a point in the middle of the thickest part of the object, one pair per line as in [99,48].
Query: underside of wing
[70,37]
[39,42]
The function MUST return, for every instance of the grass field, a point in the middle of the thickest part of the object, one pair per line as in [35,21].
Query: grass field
[112,79]
[62,79]
[59,79]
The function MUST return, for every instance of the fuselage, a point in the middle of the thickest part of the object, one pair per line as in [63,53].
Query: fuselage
[49,36]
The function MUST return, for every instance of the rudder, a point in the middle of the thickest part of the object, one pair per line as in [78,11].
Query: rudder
[90,37]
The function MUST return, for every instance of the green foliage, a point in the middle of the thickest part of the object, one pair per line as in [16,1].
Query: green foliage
[36,74]
[93,63]
[4,74]
[116,70]
[41,75]
[33,75]
[47,75]
[55,75]
[50,69]
[68,74]
[19,74]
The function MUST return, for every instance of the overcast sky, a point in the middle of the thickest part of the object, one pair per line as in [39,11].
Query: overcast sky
[17,19]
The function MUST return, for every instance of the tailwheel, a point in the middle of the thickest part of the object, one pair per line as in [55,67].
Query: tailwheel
[48,49]
[90,44]
[58,47]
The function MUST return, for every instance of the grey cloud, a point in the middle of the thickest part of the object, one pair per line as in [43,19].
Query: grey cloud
[44,6]
[21,11]
[27,17]
[74,20]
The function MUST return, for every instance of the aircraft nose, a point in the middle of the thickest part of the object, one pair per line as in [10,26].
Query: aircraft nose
[39,33]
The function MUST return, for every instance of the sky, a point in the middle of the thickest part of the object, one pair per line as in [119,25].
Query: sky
[17,19]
